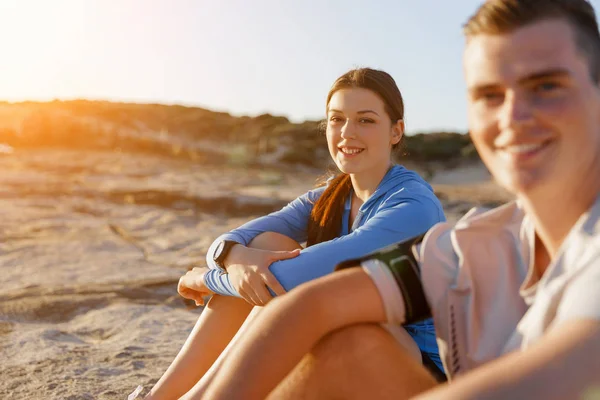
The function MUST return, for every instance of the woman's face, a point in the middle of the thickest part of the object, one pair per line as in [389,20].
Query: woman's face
[360,133]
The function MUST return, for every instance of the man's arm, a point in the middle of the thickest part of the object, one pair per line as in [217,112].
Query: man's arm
[563,365]
[295,322]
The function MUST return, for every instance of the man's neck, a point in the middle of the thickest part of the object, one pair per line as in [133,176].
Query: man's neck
[555,214]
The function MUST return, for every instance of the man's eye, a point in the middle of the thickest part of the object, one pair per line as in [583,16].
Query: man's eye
[490,97]
[546,87]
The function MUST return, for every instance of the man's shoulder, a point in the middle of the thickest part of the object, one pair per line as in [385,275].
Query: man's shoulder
[590,221]
[468,269]
[494,238]
[581,249]
[482,218]
[484,223]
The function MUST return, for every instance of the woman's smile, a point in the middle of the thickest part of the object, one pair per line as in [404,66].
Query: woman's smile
[350,152]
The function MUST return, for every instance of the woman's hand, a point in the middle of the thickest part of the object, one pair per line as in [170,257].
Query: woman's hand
[191,285]
[249,273]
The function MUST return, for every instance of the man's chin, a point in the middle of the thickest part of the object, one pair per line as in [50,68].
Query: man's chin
[520,185]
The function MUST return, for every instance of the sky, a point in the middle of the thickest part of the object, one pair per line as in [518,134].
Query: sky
[240,56]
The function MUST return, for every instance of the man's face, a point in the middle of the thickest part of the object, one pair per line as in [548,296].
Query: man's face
[534,110]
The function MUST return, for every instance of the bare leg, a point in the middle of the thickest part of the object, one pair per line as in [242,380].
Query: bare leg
[217,325]
[199,389]
[358,362]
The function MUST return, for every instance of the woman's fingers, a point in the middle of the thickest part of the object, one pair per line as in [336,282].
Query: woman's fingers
[272,282]
[191,285]
[253,280]
[261,291]
[250,293]
[245,296]
[191,280]
[250,296]
[284,255]
[182,286]
[191,295]
[255,298]
[269,279]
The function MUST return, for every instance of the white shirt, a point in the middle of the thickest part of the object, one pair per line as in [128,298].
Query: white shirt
[479,281]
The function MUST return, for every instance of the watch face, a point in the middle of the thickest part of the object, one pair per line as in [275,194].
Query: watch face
[219,250]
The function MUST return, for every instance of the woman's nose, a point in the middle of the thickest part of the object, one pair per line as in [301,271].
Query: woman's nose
[348,130]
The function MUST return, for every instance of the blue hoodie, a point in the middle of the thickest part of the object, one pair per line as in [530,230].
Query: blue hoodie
[402,206]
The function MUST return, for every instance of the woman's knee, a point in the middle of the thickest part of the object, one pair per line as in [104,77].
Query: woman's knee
[218,303]
[274,241]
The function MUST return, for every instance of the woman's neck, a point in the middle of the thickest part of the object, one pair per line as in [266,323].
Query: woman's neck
[365,183]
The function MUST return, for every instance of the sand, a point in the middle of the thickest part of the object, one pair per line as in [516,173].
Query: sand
[93,244]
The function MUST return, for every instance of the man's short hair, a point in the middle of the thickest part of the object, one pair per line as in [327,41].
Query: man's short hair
[504,16]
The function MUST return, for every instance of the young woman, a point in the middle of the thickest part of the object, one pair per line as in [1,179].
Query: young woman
[514,291]
[370,204]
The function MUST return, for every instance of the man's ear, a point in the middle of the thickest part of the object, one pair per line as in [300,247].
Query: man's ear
[397,131]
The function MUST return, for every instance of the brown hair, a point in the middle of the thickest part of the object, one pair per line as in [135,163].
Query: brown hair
[505,16]
[326,217]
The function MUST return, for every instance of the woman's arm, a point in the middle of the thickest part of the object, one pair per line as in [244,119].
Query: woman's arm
[401,218]
[563,365]
[290,221]
[295,322]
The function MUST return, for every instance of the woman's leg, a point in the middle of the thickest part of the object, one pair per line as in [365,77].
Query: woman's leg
[217,325]
[199,389]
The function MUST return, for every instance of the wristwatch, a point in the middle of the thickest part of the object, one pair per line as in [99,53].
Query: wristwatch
[221,252]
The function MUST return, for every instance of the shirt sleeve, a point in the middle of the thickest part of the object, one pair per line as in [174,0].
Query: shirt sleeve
[400,217]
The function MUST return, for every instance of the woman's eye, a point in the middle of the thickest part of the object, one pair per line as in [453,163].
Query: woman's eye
[335,119]
[366,121]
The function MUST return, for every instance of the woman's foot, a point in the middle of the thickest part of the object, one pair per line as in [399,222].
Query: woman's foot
[134,395]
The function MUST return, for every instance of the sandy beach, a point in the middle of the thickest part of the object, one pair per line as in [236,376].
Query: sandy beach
[93,244]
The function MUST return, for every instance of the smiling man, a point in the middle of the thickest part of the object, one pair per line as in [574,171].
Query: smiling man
[514,291]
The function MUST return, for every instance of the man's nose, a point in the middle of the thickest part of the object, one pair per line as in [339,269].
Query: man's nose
[516,111]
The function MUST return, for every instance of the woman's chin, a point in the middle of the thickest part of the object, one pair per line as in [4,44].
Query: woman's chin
[348,166]
[347,169]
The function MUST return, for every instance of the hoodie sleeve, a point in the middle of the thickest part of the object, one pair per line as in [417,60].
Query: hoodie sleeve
[291,221]
[402,216]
